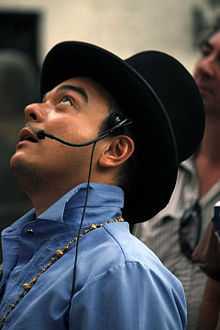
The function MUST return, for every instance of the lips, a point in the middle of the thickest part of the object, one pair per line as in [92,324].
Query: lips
[26,134]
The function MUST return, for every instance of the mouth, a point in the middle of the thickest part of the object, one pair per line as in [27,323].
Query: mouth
[203,87]
[26,134]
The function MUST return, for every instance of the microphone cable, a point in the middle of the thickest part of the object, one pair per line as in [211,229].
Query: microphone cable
[81,221]
[118,123]
[41,134]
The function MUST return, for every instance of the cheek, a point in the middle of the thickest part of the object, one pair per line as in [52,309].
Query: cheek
[197,68]
[194,72]
[73,131]
[64,157]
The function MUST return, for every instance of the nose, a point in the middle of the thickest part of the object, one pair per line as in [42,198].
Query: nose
[35,112]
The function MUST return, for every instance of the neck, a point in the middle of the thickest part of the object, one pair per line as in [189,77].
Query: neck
[43,193]
[43,196]
[210,148]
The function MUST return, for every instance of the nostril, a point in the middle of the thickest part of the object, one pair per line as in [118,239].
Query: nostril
[33,116]
[34,112]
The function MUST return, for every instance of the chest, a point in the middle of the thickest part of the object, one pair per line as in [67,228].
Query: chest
[51,293]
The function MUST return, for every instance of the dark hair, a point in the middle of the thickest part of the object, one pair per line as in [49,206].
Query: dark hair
[18,83]
[215,28]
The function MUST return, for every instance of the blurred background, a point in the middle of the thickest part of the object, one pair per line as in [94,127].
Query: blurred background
[123,26]
[29,28]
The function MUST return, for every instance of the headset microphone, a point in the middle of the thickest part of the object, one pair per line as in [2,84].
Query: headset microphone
[115,120]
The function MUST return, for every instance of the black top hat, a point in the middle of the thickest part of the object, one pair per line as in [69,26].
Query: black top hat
[161,98]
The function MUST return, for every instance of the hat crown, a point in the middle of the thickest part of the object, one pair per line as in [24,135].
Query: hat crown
[179,95]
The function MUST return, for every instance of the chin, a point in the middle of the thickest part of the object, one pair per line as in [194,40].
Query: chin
[25,174]
[19,165]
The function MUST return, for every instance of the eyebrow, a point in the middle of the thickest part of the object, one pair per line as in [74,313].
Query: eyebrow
[76,89]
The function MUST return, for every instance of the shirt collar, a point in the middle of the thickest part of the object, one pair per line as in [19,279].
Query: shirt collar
[71,204]
[104,202]
[189,165]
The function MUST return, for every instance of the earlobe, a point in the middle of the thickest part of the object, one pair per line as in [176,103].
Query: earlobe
[118,150]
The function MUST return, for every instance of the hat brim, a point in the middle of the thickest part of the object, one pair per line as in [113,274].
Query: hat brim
[156,153]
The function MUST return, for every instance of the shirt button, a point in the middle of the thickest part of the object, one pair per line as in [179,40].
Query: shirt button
[29,231]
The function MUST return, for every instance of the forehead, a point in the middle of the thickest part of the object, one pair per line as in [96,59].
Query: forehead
[87,86]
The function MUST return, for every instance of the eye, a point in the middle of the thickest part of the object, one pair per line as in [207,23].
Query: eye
[67,100]
[205,51]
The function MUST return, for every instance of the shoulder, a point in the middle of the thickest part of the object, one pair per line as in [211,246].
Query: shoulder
[132,292]
[118,275]
[114,250]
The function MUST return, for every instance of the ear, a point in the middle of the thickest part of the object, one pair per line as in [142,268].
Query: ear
[116,151]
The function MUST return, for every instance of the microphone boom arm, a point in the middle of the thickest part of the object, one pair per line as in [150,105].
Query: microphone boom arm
[42,135]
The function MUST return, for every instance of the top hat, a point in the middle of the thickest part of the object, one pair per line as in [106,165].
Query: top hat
[161,98]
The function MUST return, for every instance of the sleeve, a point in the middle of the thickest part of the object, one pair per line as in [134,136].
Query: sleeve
[129,297]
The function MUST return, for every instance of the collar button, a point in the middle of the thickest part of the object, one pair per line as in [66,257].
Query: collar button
[29,231]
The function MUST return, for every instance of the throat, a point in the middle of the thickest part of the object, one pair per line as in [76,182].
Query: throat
[208,174]
[206,183]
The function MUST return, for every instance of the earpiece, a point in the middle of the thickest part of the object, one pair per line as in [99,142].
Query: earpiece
[115,121]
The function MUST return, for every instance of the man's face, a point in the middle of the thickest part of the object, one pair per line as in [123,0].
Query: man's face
[207,74]
[74,111]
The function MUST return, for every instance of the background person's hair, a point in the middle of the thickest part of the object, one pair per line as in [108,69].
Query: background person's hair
[215,28]
[18,87]
[18,83]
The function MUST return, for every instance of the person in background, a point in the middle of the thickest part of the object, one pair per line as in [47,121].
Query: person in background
[174,232]
[207,254]
[71,262]
[18,87]
[209,315]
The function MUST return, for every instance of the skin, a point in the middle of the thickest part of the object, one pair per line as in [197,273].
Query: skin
[207,77]
[74,110]
[210,308]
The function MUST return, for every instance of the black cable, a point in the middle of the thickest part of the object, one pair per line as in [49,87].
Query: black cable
[81,223]
[117,124]
[124,123]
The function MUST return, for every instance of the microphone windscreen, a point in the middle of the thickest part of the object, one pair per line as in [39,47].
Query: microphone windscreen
[41,135]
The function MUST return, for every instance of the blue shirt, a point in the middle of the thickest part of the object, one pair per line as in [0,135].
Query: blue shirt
[120,284]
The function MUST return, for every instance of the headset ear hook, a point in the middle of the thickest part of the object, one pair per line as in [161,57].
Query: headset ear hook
[117,120]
